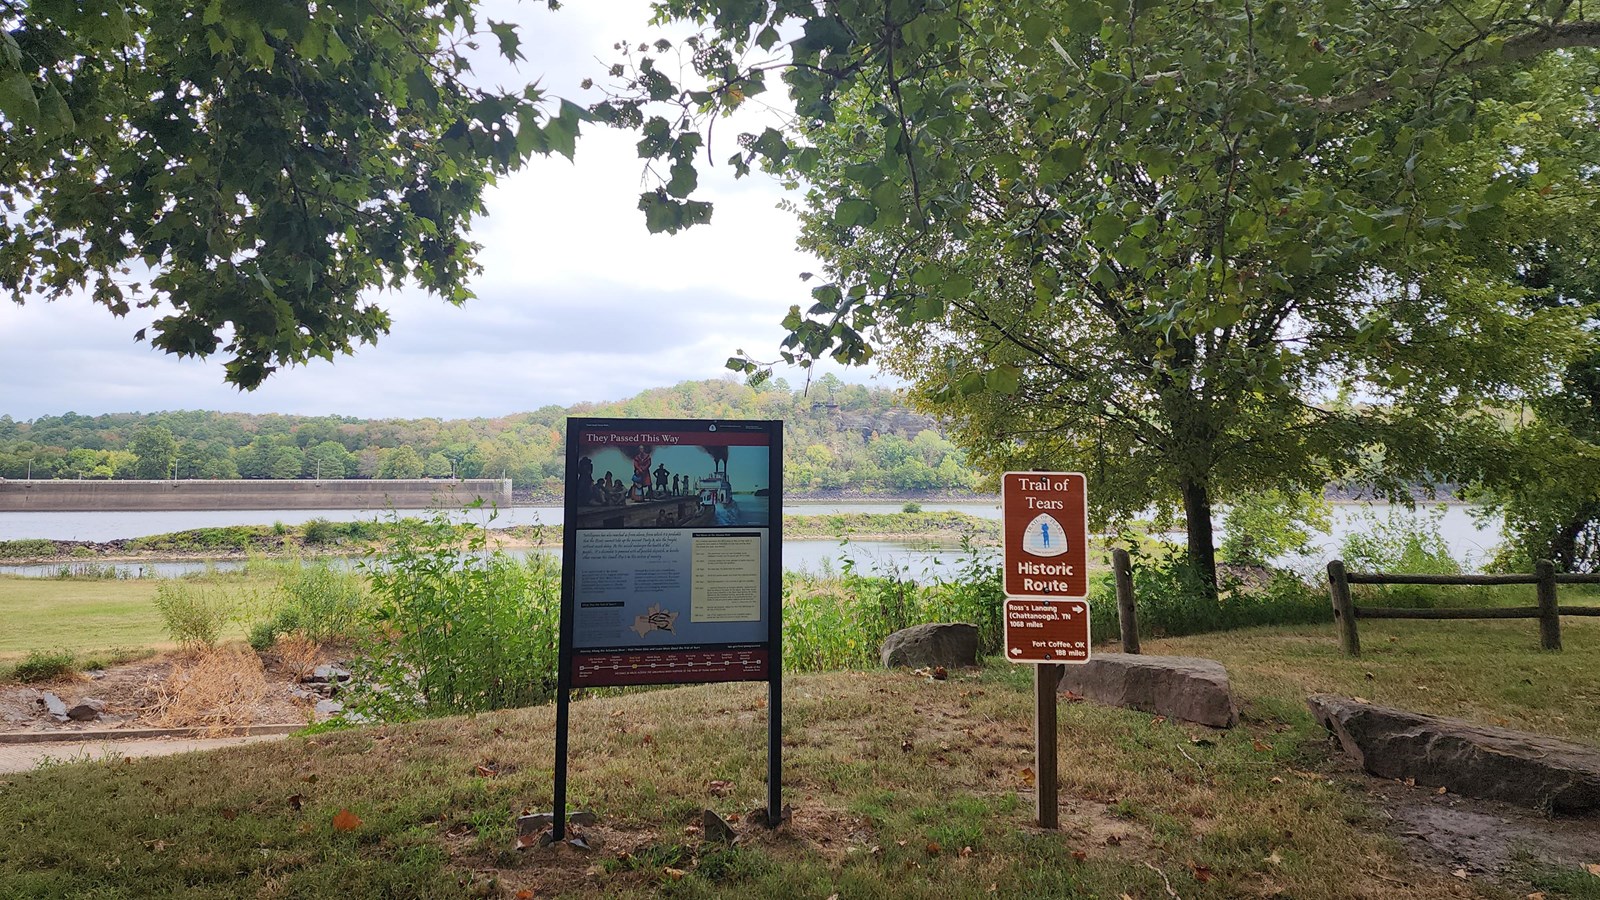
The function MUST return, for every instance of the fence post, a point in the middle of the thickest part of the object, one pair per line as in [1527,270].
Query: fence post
[1122,568]
[1344,611]
[1549,612]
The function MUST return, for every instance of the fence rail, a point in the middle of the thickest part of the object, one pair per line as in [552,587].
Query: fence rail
[1544,578]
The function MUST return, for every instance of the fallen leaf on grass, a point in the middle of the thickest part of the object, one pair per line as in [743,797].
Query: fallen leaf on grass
[525,894]
[1272,860]
[1027,776]
[1460,873]
[345,820]
[1276,780]
[1536,895]
[1071,697]
[484,771]
[296,801]
[230,814]
[718,787]
[965,852]
[1201,741]
[1260,746]
[1202,874]
[1113,840]
[1079,855]
[940,673]
[933,848]
[1441,791]
[1592,869]
[1157,721]
[674,874]
[905,746]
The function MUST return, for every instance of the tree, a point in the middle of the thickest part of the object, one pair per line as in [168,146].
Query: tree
[437,466]
[1143,240]
[328,459]
[156,450]
[259,168]
[400,462]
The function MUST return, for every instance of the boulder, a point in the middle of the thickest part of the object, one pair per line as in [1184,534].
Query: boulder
[54,705]
[935,644]
[1464,757]
[1178,687]
[86,710]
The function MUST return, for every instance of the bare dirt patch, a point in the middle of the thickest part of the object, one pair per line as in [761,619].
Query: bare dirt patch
[1470,838]
[228,688]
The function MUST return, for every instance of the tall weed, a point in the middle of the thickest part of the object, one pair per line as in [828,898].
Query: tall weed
[195,616]
[1411,543]
[459,629]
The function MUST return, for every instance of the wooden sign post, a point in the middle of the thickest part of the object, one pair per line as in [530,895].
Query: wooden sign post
[1046,527]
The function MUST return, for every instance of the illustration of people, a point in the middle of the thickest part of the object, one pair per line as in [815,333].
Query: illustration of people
[661,480]
[641,474]
[586,481]
[674,485]
[1044,530]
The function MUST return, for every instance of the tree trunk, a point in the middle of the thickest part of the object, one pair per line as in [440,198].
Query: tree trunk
[1202,547]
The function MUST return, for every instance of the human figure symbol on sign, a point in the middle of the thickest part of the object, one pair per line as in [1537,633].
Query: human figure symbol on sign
[1044,536]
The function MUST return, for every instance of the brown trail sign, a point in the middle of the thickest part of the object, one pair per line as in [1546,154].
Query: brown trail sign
[1045,522]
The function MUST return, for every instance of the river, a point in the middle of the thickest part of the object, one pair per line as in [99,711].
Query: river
[1458,525]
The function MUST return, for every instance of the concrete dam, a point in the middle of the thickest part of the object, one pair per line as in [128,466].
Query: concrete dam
[90,496]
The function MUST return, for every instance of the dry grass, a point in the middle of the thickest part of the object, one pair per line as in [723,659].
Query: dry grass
[215,690]
[297,655]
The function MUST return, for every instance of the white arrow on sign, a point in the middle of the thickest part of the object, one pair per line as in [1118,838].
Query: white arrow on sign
[1016,651]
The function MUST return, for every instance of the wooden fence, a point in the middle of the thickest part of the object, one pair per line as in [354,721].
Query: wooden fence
[1544,578]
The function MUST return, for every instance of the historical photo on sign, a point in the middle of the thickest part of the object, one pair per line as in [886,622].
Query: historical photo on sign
[670,480]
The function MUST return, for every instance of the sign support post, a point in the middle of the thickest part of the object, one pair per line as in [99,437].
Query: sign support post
[1046,532]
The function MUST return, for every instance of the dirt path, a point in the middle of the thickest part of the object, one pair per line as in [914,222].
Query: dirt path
[25,757]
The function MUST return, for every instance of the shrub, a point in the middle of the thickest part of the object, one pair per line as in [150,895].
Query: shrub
[27,548]
[912,507]
[1265,525]
[320,531]
[195,617]
[45,665]
[1169,600]
[1405,542]
[461,629]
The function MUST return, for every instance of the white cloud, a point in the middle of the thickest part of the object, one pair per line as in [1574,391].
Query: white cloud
[577,300]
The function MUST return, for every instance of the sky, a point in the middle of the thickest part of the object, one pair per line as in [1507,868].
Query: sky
[577,300]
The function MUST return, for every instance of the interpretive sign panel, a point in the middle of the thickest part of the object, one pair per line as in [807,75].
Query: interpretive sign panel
[1047,631]
[1046,534]
[670,568]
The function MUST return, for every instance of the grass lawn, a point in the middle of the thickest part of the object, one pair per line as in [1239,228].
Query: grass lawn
[86,614]
[902,787]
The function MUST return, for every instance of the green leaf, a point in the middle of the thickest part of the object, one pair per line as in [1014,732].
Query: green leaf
[851,213]
[510,41]
[684,179]
[1004,379]
[55,118]
[17,100]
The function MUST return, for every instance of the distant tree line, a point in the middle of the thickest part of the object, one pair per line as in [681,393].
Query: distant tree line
[838,438]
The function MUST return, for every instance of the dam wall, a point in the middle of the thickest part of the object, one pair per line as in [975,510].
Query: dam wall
[89,496]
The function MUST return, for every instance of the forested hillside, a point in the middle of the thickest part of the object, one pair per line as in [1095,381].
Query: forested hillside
[840,438]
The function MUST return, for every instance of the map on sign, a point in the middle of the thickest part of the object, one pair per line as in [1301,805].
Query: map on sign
[655,619]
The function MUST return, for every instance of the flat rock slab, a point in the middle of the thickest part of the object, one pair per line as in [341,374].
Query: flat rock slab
[1464,757]
[1178,687]
[948,644]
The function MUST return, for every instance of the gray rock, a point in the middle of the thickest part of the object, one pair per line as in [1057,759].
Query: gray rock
[1461,756]
[328,708]
[715,828]
[936,644]
[1179,687]
[54,706]
[327,675]
[86,710]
